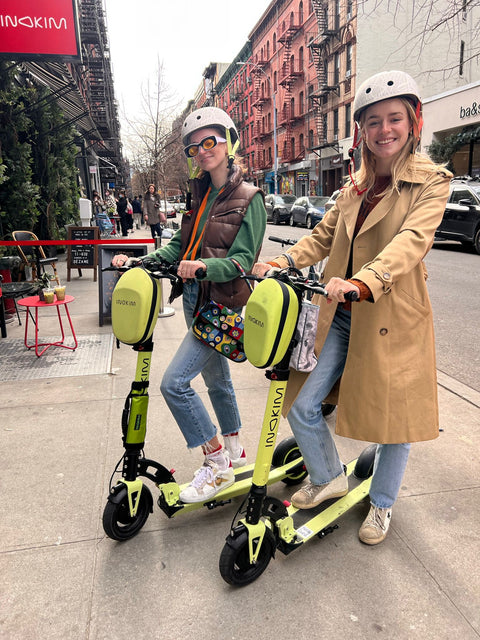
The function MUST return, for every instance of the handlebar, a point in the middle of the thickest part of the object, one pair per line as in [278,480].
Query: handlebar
[158,269]
[296,279]
[282,241]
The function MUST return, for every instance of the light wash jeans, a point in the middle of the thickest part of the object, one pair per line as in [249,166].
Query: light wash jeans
[192,358]
[313,435]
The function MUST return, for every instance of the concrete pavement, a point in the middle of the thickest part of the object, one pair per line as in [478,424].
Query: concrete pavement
[62,578]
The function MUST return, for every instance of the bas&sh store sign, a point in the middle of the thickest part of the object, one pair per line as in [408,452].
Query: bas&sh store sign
[38,28]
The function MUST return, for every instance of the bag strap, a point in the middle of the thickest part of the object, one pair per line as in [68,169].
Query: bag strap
[242,271]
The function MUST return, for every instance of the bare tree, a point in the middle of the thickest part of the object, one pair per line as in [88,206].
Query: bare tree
[154,148]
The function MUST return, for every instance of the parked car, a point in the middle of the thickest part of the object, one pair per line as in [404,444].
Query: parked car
[461,219]
[331,201]
[278,207]
[308,211]
[169,210]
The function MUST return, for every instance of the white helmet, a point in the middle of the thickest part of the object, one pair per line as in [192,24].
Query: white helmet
[208,117]
[382,86]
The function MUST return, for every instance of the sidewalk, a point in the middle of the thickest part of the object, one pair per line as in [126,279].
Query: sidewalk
[62,578]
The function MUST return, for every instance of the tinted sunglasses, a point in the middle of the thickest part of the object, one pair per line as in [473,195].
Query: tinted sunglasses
[207,143]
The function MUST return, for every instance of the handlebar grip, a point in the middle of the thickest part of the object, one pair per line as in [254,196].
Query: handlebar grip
[200,273]
[351,295]
[281,240]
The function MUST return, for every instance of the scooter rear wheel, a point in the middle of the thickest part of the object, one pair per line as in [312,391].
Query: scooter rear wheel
[235,567]
[118,524]
[286,451]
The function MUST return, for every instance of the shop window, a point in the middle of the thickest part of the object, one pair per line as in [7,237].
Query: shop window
[348,120]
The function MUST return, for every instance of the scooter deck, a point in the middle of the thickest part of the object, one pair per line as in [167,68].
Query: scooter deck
[319,520]
[243,482]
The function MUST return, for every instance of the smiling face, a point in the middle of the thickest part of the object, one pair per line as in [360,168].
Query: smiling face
[385,129]
[212,159]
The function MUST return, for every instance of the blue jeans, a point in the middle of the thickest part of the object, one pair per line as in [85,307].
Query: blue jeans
[313,435]
[192,358]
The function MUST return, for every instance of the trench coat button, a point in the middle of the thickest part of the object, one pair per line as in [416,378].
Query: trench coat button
[383,332]
[386,275]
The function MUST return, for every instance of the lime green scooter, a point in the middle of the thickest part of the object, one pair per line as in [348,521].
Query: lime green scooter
[135,307]
[264,523]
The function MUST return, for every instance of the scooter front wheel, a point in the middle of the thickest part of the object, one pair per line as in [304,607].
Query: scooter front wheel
[118,524]
[286,451]
[235,566]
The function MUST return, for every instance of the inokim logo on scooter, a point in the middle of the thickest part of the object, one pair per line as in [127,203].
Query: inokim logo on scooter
[274,417]
[256,321]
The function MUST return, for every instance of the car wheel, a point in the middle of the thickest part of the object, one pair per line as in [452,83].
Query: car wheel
[292,221]
[276,218]
[308,222]
[476,241]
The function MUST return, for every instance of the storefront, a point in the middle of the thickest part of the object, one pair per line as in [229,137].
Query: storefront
[452,124]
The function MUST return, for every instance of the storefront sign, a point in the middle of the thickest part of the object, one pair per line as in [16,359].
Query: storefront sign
[468,112]
[302,175]
[336,161]
[38,29]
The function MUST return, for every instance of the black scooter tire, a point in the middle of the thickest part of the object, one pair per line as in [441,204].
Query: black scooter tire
[364,465]
[286,451]
[117,522]
[234,564]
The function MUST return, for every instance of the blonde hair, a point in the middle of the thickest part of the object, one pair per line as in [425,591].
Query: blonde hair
[365,177]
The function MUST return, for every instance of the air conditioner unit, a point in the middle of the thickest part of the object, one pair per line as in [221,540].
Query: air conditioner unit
[245,114]
[349,17]
[335,137]
[348,73]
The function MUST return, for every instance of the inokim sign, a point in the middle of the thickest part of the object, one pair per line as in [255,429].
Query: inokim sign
[31,29]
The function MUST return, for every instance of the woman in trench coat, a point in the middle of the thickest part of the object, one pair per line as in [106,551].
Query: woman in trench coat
[380,350]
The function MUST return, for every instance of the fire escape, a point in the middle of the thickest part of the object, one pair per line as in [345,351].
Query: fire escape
[261,96]
[290,72]
[99,84]
[320,45]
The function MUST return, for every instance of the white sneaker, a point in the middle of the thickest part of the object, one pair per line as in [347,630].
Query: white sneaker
[311,495]
[237,458]
[207,482]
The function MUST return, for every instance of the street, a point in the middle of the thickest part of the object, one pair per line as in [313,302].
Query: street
[454,289]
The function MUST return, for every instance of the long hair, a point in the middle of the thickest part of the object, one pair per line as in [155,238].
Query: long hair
[365,176]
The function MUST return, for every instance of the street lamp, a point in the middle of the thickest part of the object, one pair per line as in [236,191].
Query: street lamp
[275,165]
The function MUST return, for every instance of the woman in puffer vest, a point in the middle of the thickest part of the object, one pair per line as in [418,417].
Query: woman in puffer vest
[227,220]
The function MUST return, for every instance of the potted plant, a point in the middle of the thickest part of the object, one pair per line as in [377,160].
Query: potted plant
[42,283]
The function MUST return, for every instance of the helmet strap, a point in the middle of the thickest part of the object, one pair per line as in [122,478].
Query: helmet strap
[357,139]
[231,150]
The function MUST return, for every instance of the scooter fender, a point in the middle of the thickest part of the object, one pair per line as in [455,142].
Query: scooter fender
[251,533]
[130,489]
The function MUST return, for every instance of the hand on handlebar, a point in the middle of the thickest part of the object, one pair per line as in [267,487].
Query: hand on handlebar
[261,269]
[337,290]
[189,269]
[121,260]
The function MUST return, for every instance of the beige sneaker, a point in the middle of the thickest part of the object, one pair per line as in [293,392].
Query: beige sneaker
[375,526]
[311,495]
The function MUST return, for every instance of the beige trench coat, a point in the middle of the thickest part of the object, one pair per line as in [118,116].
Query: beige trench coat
[388,391]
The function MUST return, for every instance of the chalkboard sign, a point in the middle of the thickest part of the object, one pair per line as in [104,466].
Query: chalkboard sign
[108,279]
[82,256]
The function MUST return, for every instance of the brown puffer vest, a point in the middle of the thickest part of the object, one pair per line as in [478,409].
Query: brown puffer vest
[223,223]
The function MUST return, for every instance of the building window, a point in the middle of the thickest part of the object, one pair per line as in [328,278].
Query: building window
[349,52]
[310,52]
[300,12]
[300,59]
[336,78]
[349,9]
[268,50]
[464,9]
[274,42]
[275,81]
[335,124]
[302,146]
[462,55]
[348,120]
[301,106]
[337,15]
[311,139]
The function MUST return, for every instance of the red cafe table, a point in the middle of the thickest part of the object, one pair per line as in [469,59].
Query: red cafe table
[33,302]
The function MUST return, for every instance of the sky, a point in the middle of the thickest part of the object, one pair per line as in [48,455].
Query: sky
[185,35]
